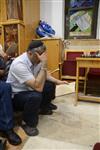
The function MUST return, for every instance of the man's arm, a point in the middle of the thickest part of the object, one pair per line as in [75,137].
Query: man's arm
[39,81]
[54,80]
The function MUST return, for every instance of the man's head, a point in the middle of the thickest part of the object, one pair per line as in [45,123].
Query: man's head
[36,46]
[12,50]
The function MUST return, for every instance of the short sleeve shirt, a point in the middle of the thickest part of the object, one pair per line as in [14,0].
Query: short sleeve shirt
[22,70]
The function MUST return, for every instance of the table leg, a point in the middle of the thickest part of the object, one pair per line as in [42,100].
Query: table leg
[85,81]
[77,82]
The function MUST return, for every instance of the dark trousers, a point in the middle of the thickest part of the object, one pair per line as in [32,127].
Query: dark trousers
[6,111]
[31,101]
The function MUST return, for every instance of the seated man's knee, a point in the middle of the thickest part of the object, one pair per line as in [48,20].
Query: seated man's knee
[8,87]
[5,86]
[36,97]
[49,86]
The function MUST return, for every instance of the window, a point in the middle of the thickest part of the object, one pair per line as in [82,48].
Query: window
[81,18]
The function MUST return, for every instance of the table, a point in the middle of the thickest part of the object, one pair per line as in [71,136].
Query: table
[85,63]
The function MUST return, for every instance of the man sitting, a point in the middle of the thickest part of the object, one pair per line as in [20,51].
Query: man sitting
[6,110]
[33,87]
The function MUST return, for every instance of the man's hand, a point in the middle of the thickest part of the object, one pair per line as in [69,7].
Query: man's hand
[61,82]
[42,57]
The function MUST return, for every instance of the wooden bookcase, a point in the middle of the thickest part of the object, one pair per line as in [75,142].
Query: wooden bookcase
[20,27]
[13,31]
[54,54]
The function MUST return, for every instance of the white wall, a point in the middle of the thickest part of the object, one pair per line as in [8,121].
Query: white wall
[98,24]
[52,11]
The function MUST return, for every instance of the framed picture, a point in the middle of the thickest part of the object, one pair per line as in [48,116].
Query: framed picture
[10,35]
[81,18]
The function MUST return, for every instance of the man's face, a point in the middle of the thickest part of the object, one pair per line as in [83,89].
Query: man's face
[33,54]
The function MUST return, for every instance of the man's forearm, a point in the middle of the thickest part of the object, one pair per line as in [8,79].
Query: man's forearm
[41,77]
[52,79]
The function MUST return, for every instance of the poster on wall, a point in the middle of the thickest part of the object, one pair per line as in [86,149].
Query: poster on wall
[80,23]
[81,18]
[10,35]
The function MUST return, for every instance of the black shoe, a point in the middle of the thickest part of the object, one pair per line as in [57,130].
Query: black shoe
[12,137]
[46,112]
[52,106]
[30,131]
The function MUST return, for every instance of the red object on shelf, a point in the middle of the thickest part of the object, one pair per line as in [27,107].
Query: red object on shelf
[69,68]
[69,65]
[71,56]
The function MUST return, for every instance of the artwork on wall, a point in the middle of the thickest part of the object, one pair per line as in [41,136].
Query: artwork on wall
[81,3]
[80,23]
[81,18]
[10,35]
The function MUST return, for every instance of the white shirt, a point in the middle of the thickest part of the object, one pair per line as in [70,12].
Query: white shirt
[22,70]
